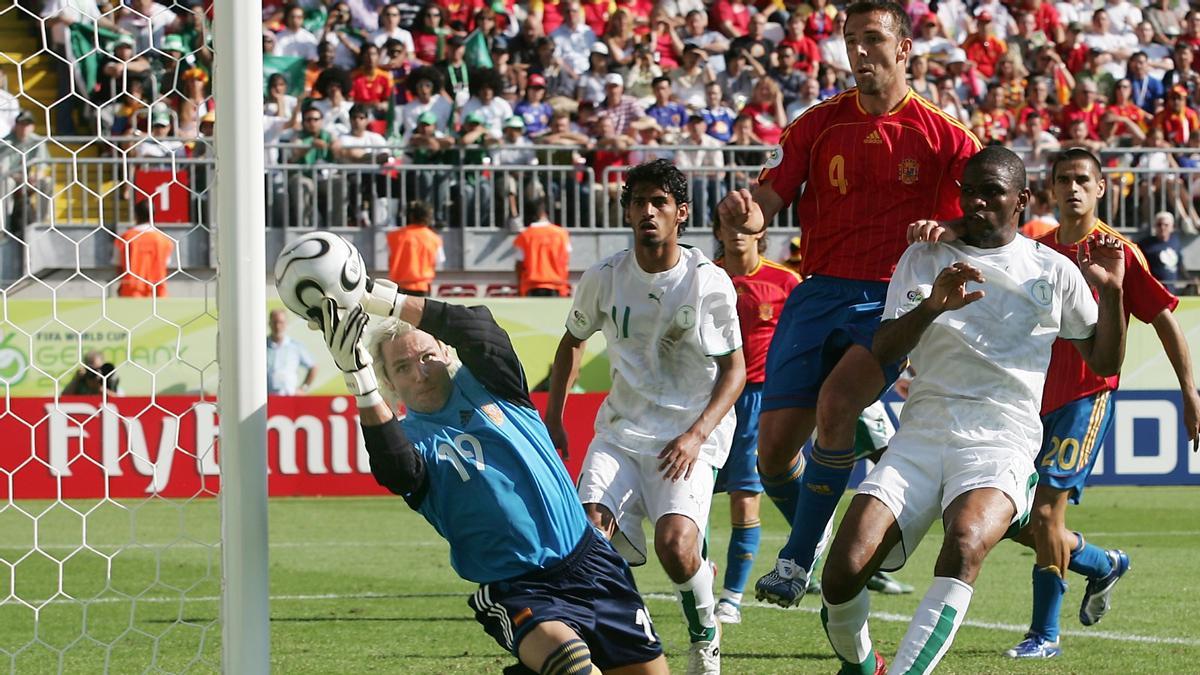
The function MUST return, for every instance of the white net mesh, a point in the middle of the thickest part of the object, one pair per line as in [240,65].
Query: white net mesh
[109,533]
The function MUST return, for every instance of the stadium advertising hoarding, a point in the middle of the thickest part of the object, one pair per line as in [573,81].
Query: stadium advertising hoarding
[159,445]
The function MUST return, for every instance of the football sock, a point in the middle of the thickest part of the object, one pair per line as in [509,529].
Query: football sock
[570,658]
[1048,591]
[696,596]
[743,544]
[824,481]
[846,628]
[933,626]
[732,598]
[784,489]
[1090,560]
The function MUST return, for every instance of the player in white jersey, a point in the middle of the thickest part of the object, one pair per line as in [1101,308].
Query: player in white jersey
[970,429]
[669,317]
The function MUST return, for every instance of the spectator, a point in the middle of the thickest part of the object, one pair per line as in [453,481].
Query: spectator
[371,85]
[1041,215]
[821,23]
[390,28]
[456,78]
[428,32]
[316,148]
[333,85]
[534,110]
[949,100]
[193,102]
[808,54]
[26,178]
[795,259]
[650,137]
[1078,135]
[754,41]
[1084,106]
[1177,121]
[703,167]
[1124,15]
[1031,142]
[1048,64]
[786,76]
[347,39]
[738,78]
[743,135]
[313,70]
[1037,102]
[827,78]
[1029,37]
[982,47]
[1164,20]
[517,188]
[992,122]
[642,74]
[691,77]
[424,85]
[161,142]
[573,41]
[1011,76]
[610,150]
[1164,254]
[469,191]
[295,39]
[361,146]
[810,95]
[123,66]
[595,14]
[664,43]
[1096,70]
[765,108]
[1183,74]
[969,83]
[286,358]
[1072,49]
[670,115]
[141,256]
[543,252]
[930,42]
[171,64]
[730,17]
[695,31]
[618,107]
[93,377]
[415,251]
[591,84]
[919,79]
[1102,36]
[1123,119]
[1147,90]
[559,81]
[717,116]
[1158,55]
[494,109]
[278,102]
[147,21]
[618,37]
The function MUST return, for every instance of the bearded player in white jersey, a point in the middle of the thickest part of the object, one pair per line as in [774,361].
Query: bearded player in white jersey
[669,318]
[978,317]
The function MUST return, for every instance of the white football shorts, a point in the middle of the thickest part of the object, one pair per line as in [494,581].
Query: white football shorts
[631,487]
[919,483]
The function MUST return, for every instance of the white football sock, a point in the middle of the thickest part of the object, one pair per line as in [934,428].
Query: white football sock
[730,596]
[846,626]
[696,596]
[932,628]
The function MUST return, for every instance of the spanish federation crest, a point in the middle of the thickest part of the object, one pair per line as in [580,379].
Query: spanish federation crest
[766,311]
[493,413]
[909,171]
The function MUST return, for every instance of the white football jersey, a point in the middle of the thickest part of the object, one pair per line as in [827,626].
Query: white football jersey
[664,331]
[980,369]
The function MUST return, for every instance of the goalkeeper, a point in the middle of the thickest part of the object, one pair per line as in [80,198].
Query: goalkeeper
[474,458]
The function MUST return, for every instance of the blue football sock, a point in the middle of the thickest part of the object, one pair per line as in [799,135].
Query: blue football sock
[784,489]
[1090,560]
[1048,591]
[743,544]
[824,481]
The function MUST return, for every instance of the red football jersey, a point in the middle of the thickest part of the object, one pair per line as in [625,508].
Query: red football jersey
[761,295]
[1069,378]
[868,177]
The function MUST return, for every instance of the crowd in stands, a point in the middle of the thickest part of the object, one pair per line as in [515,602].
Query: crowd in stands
[443,82]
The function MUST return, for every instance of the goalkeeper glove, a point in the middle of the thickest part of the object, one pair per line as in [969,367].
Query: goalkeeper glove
[343,337]
[383,298]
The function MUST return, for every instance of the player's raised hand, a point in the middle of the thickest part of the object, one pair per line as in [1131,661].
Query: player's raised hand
[343,336]
[739,211]
[680,455]
[1102,259]
[949,290]
[930,231]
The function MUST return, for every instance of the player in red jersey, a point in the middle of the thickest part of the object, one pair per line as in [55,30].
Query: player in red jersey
[1076,412]
[871,161]
[762,289]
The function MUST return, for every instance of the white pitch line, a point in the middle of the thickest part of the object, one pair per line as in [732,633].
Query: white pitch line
[986,625]
[878,616]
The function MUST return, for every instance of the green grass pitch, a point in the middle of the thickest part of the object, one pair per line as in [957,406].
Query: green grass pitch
[364,585]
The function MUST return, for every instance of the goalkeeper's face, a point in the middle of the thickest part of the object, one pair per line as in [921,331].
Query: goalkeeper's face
[417,369]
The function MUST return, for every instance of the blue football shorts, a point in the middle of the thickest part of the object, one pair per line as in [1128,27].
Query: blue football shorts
[741,469]
[823,317]
[591,590]
[1071,440]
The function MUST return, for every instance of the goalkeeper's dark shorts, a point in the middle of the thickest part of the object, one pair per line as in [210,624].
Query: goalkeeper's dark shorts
[591,590]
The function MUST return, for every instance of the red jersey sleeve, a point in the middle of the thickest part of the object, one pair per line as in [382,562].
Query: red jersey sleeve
[964,147]
[1145,297]
[786,168]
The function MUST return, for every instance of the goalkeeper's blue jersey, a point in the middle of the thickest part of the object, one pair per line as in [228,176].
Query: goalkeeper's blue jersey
[497,490]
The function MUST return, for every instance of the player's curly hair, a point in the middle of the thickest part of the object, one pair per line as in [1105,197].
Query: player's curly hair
[659,173]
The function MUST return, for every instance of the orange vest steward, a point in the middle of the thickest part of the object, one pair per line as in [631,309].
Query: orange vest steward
[412,263]
[142,256]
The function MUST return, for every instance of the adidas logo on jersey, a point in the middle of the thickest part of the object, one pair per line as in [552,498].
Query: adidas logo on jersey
[873,137]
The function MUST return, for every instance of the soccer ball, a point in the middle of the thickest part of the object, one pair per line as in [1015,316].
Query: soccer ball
[319,265]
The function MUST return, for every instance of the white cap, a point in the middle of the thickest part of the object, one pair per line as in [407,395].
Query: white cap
[600,48]
[614,78]
[957,56]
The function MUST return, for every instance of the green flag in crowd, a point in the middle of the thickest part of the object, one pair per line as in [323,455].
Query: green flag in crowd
[477,54]
[292,67]
[85,38]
